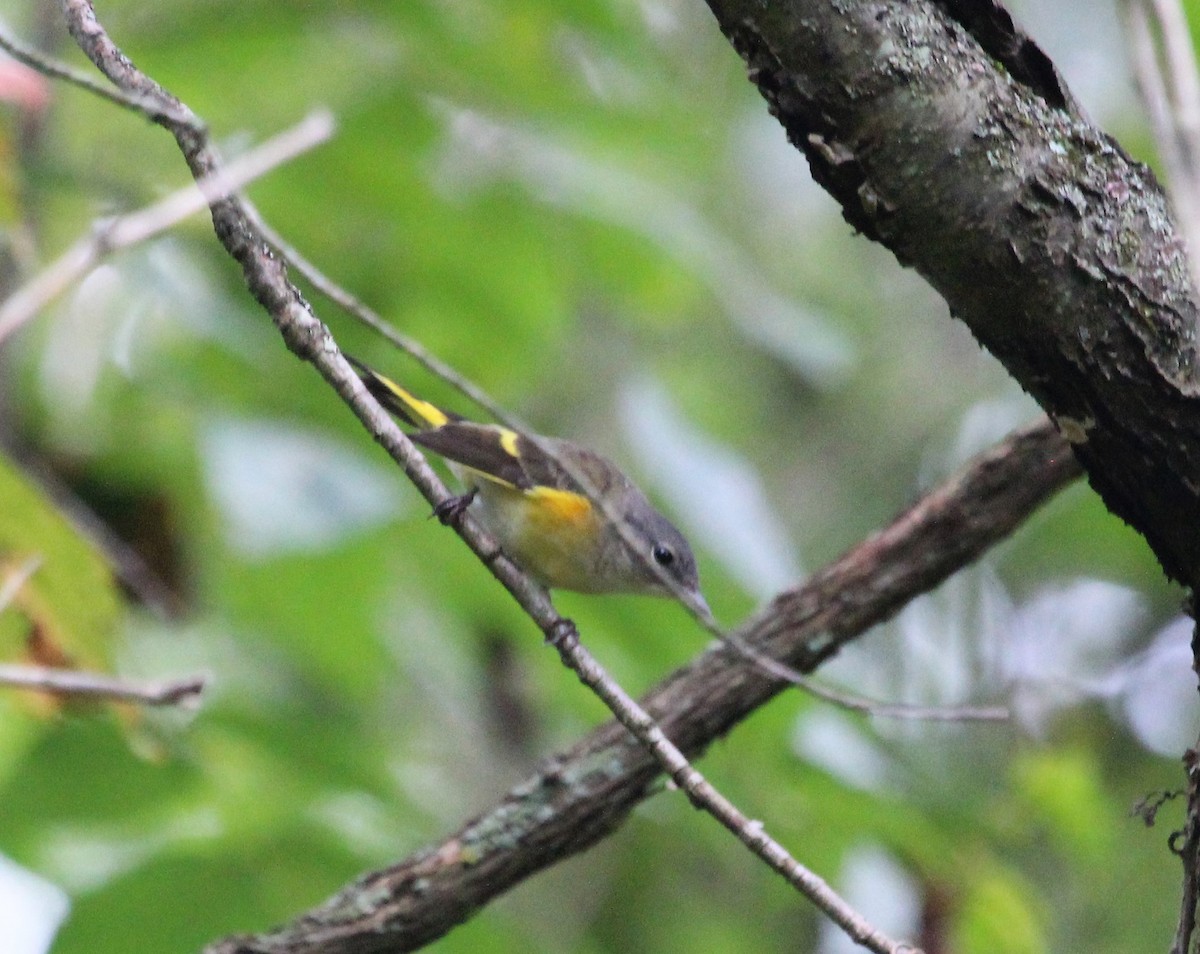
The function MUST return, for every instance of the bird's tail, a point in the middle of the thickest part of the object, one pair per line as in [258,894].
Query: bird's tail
[395,399]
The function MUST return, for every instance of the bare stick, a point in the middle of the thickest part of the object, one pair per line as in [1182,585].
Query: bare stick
[76,682]
[359,310]
[306,336]
[127,230]
[1186,844]
[705,796]
[1179,58]
[18,578]
[47,66]
[891,710]
[1164,63]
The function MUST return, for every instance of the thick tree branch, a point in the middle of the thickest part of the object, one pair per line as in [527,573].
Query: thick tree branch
[946,135]
[582,795]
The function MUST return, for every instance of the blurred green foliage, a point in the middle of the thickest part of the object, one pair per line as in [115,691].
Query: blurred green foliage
[63,602]
[562,200]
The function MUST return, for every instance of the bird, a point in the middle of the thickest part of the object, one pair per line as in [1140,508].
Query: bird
[534,494]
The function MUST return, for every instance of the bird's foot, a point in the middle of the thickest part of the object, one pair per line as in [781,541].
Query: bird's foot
[451,509]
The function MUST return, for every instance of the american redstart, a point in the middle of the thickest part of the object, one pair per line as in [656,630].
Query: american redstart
[529,492]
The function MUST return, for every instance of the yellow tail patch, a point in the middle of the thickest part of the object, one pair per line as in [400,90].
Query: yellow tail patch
[430,414]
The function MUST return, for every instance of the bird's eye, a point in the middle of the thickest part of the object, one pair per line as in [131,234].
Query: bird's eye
[663,555]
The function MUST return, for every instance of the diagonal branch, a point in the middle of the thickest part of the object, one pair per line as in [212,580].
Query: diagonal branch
[266,277]
[150,106]
[580,796]
[1164,63]
[132,228]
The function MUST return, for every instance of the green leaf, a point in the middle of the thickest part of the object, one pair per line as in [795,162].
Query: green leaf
[65,611]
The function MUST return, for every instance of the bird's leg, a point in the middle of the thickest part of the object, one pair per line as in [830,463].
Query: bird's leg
[452,508]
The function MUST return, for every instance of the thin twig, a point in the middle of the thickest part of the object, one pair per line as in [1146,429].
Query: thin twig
[1179,56]
[77,682]
[772,667]
[1186,842]
[17,578]
[892,710]
[110,235]
[705,796]
[1149,805]
[357,309]
[48,66]
[1164,62]
[306,336]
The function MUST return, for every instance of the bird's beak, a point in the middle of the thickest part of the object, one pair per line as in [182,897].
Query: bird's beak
[699,605]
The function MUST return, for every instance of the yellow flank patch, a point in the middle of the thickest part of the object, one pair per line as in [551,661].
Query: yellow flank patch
[508,441]
[560,508]
[429,413]
[552,533]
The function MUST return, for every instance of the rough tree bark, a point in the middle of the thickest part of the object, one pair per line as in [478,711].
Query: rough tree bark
[947,136]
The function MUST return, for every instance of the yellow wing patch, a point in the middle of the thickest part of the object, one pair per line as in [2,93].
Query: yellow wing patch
[508,441]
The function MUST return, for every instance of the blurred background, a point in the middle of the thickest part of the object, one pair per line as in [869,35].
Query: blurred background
[586,209]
